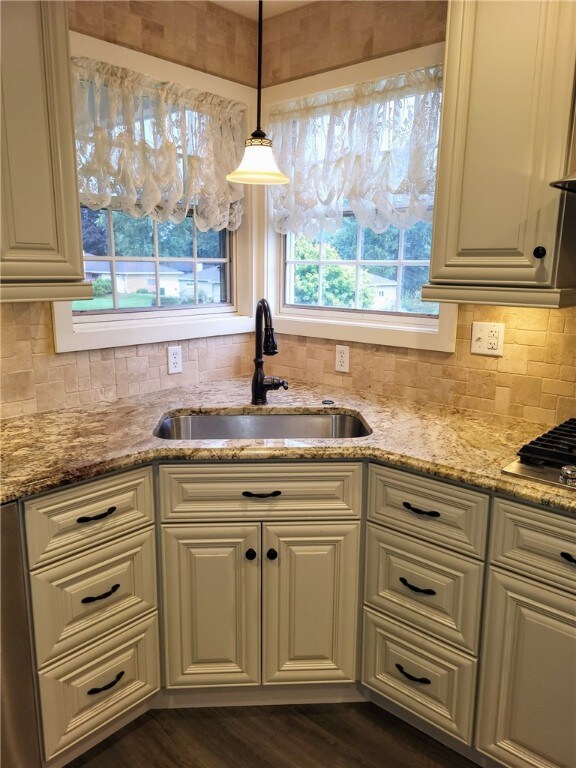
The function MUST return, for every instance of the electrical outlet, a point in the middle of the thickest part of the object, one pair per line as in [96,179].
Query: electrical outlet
[342,359]
[174,359]
[487,339]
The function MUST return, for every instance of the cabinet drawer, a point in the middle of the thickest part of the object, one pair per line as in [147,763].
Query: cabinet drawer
[250,491]
[425,586]
[80,598]
[429,679]
[71,520]
[89,689]
[429,509]
[535,542]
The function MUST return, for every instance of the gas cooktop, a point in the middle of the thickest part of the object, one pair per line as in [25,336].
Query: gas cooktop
[550,458]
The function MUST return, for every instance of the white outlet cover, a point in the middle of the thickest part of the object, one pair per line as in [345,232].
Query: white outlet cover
[342,362]
[487,339]
[175,359]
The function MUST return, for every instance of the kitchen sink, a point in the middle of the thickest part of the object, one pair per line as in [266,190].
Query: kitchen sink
[261,426]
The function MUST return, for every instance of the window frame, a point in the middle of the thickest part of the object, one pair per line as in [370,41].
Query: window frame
[76,333]
[426,332]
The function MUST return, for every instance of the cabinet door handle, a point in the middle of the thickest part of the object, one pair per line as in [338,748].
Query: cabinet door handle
[250,554]
[271,554]
[567,556]
[416,589]
[101,516]
[103,596]
[94,691]
[539,252]
[423,680]
[417,511]
[271,495]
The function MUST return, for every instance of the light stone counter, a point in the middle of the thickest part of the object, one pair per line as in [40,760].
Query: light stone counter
[44,451]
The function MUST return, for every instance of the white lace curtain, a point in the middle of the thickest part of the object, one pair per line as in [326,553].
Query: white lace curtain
[152,148]
[373,145]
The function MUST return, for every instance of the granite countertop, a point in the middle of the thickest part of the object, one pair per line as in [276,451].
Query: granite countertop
[44,451]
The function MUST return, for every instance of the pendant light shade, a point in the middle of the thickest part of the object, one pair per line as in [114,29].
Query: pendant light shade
[258,165]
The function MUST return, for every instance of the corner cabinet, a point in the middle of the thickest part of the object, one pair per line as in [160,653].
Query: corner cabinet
[248,602]
[505,135]
[41,250]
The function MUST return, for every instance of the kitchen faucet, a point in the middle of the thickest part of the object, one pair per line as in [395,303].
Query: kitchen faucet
[265,345]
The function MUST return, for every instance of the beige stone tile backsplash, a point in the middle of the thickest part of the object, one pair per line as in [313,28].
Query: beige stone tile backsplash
[535,379]
[326,35]
[304,41]
[196,34]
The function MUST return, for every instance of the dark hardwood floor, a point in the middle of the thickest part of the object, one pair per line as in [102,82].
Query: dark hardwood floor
[295,736]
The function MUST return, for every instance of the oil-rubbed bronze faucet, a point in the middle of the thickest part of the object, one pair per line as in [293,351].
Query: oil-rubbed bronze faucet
[265,345]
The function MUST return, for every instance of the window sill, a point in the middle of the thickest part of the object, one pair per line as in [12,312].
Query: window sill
[72,337]
[435,334]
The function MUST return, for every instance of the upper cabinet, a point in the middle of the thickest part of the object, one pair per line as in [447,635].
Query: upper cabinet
[505,135]
[41,251]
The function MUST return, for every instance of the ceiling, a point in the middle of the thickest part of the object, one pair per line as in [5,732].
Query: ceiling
[249,8]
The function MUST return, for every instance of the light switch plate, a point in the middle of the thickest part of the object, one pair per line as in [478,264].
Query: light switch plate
[487,339]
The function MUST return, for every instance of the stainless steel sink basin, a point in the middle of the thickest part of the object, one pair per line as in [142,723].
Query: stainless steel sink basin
[240,426]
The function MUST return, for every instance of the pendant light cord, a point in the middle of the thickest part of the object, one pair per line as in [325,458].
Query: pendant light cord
[259,133]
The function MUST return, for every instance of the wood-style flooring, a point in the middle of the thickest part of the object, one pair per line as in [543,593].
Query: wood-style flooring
[293,736]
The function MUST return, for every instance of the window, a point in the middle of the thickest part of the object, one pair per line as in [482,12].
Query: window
[180,266]
[352,233]
[354,268]
[144,264]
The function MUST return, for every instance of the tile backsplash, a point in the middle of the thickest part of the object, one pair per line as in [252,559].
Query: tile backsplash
[535,379]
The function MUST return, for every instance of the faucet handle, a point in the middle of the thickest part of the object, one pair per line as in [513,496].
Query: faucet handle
[277,383]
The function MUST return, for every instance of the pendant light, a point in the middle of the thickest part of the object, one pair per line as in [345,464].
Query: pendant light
[258,165]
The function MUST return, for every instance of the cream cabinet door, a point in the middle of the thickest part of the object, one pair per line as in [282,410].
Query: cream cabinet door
[212,604]
[527,706]
[310,593]
[41,251]
[505,134]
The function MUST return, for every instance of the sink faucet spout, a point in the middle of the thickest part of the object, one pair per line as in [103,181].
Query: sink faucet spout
[265,345]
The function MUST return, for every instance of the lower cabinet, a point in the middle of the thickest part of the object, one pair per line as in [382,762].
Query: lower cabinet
[254,603]
[527,704]
[424,575]
[92,584]
[528,696]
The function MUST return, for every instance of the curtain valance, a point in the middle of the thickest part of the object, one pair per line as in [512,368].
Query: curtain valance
[152,148]
[371,147]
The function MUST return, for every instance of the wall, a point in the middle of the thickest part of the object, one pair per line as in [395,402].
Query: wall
[197,34]
[308,40]
[535,379]
[326,35]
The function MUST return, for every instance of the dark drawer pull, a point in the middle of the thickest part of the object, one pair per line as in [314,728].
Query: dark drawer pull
[103,596]
[568,556]
[271,495]
[416,589]
[423,680]
[250,554]
[108,512]
[271,554]
[417,511]
[94,691]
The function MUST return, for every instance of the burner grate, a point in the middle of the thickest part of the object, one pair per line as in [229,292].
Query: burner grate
[554,448]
